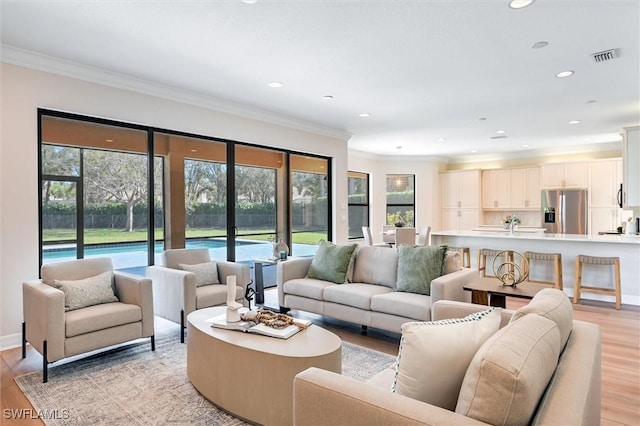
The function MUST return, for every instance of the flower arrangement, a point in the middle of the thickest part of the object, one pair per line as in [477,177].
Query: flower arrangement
[513,218]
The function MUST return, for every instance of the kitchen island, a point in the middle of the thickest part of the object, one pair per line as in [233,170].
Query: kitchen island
[627,248]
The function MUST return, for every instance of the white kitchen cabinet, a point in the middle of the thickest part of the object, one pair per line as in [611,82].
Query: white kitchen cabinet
[525,188]
[563,175]
[496,189]
[460,199]
[631,167]
[603,219]
[461,189]
[605,177]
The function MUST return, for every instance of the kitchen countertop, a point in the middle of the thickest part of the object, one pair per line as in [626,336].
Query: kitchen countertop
[619,238]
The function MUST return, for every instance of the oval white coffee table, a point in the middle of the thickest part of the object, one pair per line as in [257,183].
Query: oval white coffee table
[251,376]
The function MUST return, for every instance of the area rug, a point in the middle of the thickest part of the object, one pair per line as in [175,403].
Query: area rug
[133,386]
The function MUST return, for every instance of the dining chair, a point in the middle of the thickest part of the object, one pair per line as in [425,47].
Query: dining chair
[405,236]
[388,234]
[368,239]
[424,237]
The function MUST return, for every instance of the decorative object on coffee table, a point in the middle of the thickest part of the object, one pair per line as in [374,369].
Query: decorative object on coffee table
[511,272]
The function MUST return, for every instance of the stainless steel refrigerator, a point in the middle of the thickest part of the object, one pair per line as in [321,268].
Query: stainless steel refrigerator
[564,211]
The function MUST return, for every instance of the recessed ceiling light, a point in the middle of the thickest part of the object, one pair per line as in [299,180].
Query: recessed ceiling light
[574,122]
[442,140]
[563,74]
[108,140]
[525,146]
[519,4]
[249,1]
[501,132]
[473,151]
[327,97]
[540,45]
[365,114]
[275,84]
[193,150]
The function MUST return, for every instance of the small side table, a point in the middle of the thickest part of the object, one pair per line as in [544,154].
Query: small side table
[490,291]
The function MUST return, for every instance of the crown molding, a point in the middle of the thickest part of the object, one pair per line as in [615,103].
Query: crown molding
[28,59]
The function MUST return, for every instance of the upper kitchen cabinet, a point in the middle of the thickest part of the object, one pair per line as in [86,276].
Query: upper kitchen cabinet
[496,189]
[605,177]
[511,189]
[525,188]
[631,166]
[563,175]
[461,189]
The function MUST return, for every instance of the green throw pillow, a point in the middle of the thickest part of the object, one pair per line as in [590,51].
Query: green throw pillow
[418,266]
[331,262]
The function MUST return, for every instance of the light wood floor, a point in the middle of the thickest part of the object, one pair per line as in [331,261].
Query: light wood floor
[620,358]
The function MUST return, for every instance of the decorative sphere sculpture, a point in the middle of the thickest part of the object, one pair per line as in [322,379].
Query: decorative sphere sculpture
[514,269]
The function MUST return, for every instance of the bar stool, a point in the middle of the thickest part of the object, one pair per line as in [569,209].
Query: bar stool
[534,258]
[484,253]
[466,255]
[581,260]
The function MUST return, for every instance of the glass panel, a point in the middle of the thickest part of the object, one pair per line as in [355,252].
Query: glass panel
[59,221]
[60,160]
[358,203]
[310,204]
[258,172]
[400,200]
[205,191]
[115,207]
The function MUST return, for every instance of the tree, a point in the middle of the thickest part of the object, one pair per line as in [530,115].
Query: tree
[115,176]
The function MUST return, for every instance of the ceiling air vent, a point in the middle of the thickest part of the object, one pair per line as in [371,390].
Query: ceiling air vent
[604,56]
[498,137]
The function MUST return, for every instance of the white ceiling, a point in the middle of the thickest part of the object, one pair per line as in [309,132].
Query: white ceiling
[426,70]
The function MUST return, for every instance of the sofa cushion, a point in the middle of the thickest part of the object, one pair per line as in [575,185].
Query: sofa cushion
[552,304]
[88,291]
[331,262]
[434,356]
[418,266]
[212,295]
[510,372]
[306,287]
[355,294]
[100,317]
[206,273]
[407,305]
[376,265]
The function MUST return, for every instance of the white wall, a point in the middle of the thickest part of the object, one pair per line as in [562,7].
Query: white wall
[427,186]
[24,90]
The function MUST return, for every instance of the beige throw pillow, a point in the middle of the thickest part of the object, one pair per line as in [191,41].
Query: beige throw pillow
[434,356]
[510,372]
[88,291]
[206,273]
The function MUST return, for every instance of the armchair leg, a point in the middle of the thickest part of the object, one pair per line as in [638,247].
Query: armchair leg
[182,326]
[153,343]
[45,363]
[24,340]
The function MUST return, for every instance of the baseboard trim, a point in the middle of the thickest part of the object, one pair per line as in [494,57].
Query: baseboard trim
[10,341]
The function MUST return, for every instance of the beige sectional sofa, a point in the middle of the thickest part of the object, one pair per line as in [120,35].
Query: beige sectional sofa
[540,367]
[369,298]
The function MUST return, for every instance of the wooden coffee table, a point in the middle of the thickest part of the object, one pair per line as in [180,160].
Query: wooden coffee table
[251,376]
[490,291]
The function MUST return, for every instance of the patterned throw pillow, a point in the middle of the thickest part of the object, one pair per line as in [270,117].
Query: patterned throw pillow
[418,266]
[332,262]
[206,273]
[433,356]
[87,292]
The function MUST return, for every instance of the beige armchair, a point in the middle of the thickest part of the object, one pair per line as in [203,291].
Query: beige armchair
[58,332]
[176,293]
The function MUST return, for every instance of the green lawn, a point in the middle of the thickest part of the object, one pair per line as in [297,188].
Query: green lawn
[103,236]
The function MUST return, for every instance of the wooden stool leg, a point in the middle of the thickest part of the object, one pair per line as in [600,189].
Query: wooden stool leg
[466,258]
[577,281]
[558,273]
[616,267]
